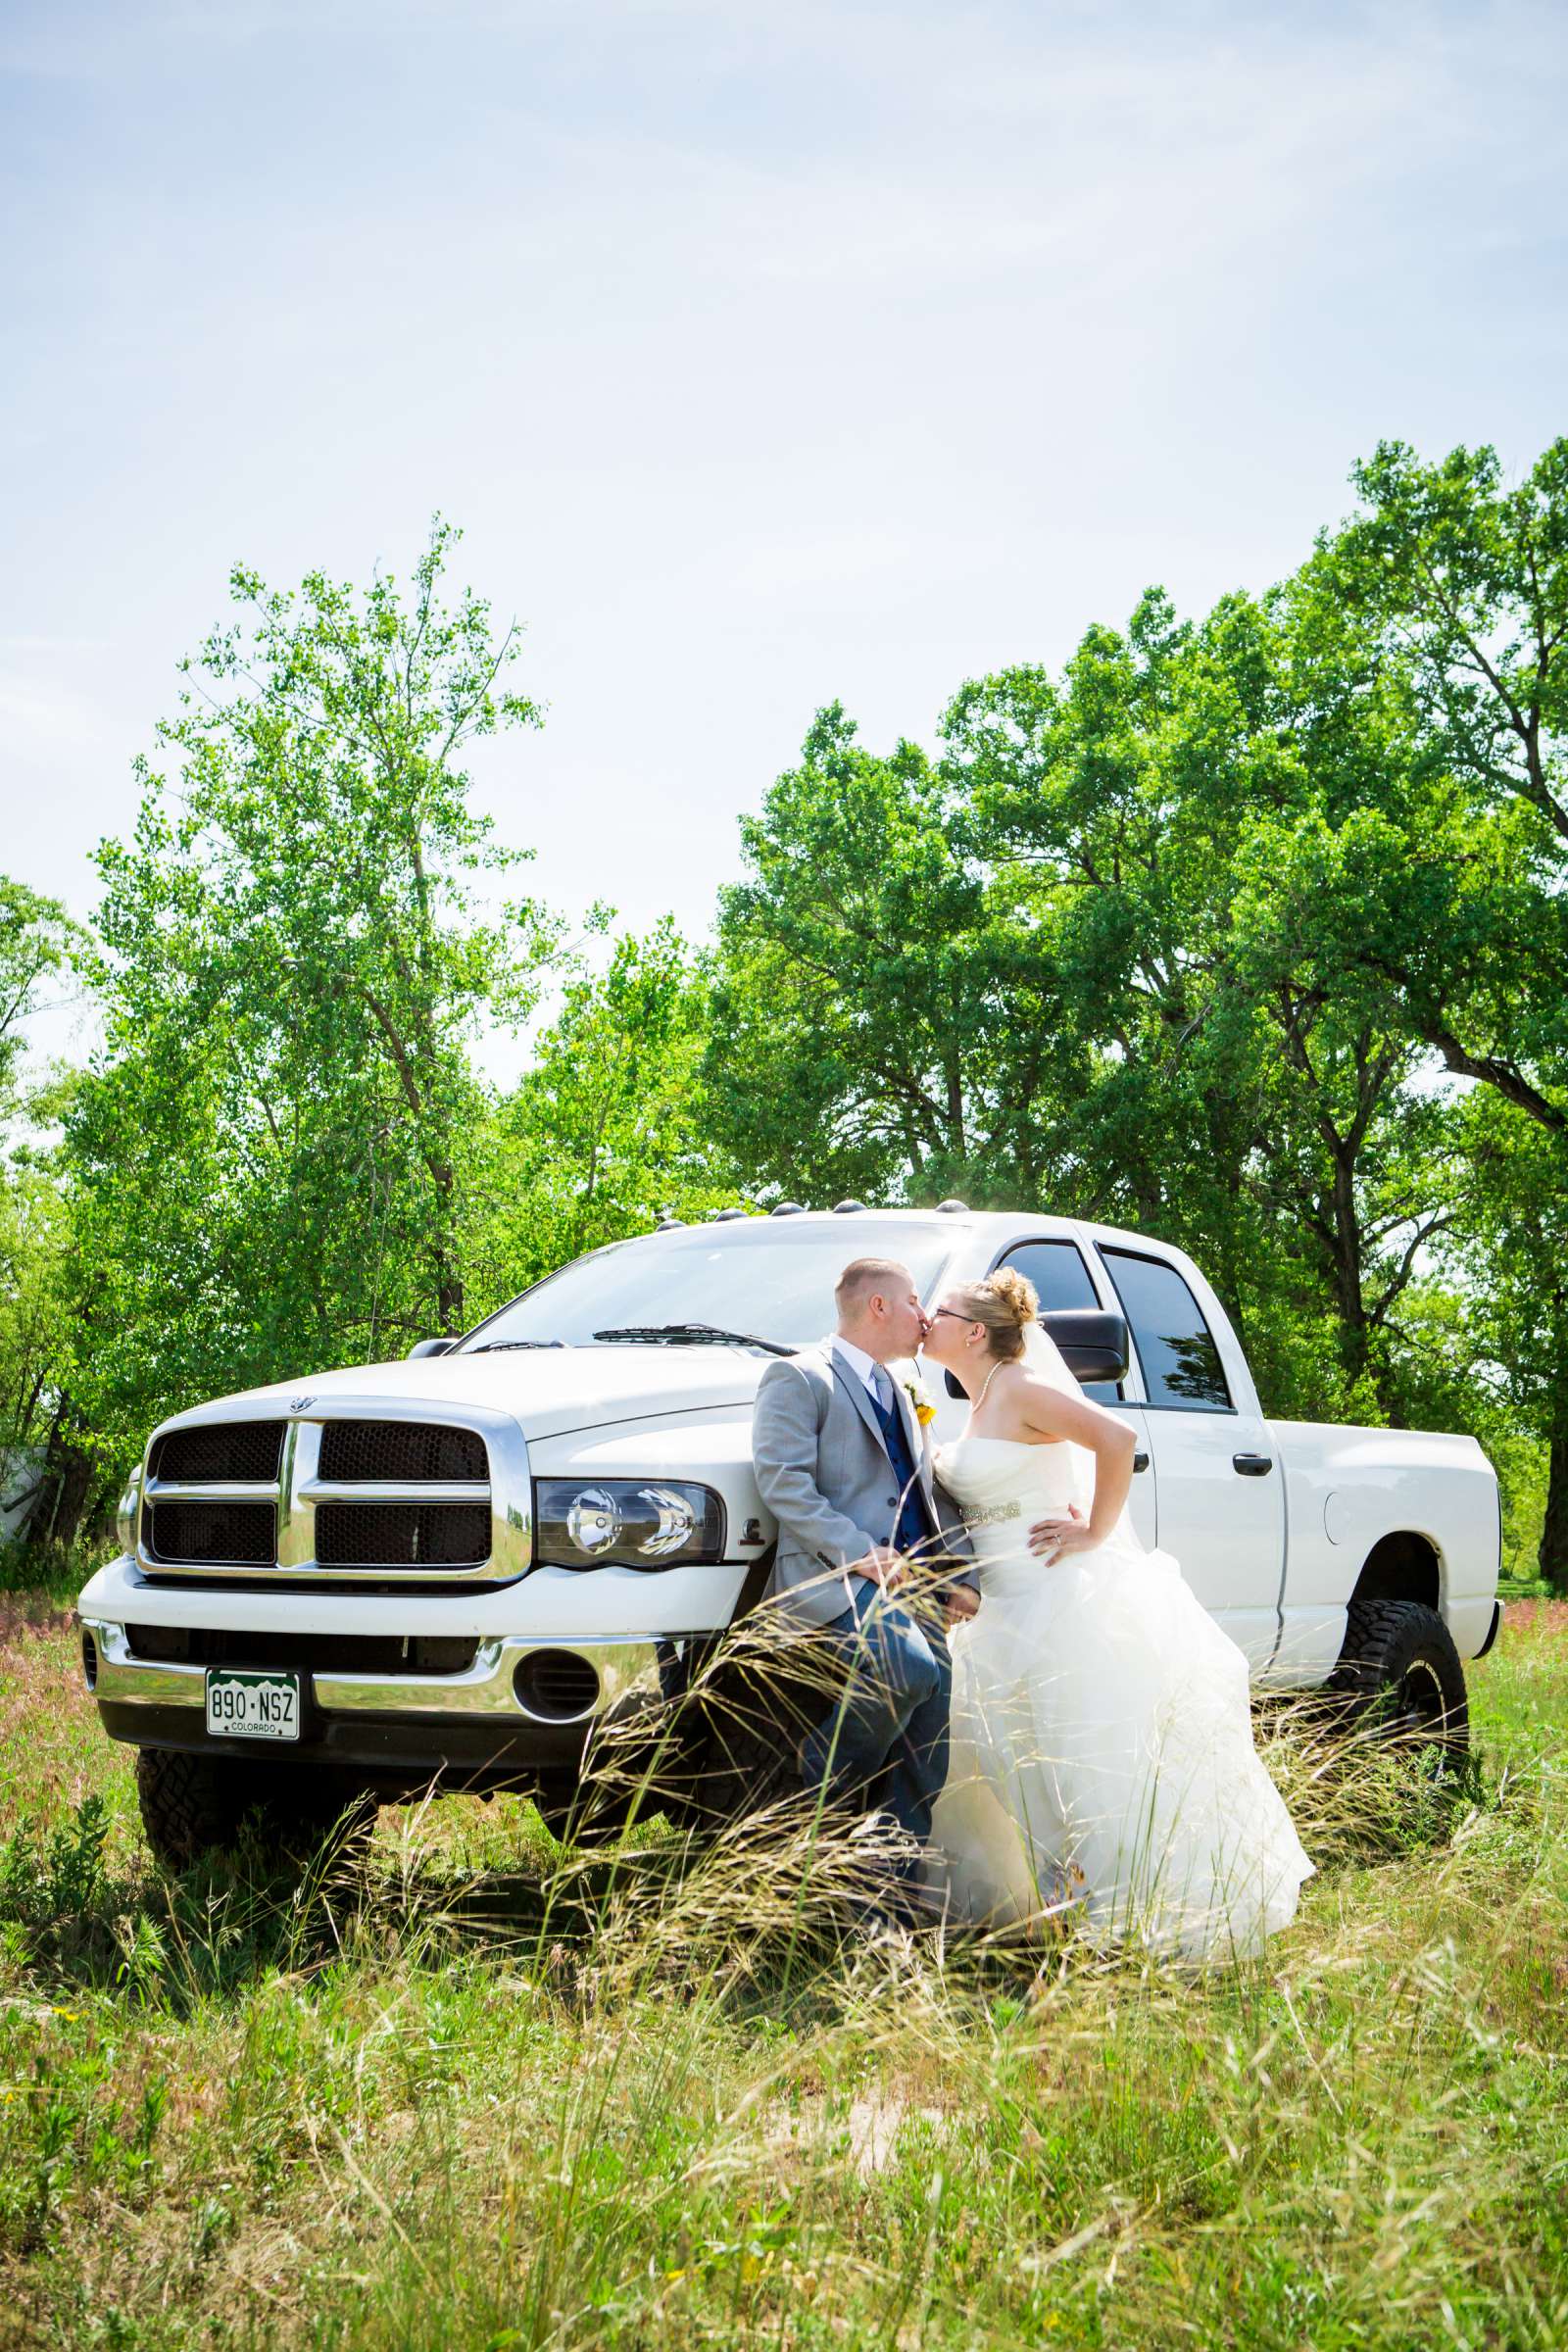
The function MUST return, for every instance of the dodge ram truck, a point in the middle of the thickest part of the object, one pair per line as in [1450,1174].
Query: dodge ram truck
[452,1571]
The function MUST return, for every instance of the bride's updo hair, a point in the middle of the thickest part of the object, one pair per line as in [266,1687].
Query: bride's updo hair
[1004,1302]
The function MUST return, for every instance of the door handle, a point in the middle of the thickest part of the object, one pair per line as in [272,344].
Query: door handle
[1140,1461]
[1253,1465]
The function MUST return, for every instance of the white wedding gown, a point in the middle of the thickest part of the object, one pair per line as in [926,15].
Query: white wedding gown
[1103,1769]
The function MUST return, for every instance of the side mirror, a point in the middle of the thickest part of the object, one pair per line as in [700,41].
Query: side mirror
[1091,1339]
[1094,1343]
[431,1348]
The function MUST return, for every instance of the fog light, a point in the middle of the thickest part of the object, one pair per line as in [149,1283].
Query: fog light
[555,1685]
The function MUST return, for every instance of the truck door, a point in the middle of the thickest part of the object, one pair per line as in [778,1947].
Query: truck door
[1219,1492]
[1062,1279]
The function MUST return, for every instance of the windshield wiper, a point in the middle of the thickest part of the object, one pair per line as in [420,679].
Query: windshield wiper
[690,1335]
[493,1346]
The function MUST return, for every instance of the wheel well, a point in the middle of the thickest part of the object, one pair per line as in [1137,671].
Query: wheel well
[1402,1567]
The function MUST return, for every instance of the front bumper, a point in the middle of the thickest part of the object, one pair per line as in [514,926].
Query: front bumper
[476,1729]
[548,1604]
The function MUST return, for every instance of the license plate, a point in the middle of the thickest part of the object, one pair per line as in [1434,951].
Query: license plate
[252,1706]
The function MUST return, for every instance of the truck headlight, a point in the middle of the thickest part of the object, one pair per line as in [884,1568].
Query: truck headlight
[632,1522]
[127,1510]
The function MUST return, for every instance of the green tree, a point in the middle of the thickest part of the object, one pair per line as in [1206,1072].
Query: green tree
[49,1476]
[1453,864]
[1355,1156]
[35,941]
[292,964]
[877,1027]
[1223,1091]
[1441,882]
[44,1476]
[609,1126]
[1510,1273]
[1094,871]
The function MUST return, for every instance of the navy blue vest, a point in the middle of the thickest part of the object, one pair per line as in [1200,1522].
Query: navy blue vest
[914,1527]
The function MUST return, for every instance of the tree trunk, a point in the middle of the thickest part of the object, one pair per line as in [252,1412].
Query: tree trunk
[958,1143]
[67,1487]
[1553,1554]
[1345,1263]
[448,1274]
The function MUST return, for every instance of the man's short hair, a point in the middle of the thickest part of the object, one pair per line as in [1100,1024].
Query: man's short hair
[866,1274]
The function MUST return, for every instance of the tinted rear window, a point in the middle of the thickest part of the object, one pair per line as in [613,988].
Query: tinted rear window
[1175,1345]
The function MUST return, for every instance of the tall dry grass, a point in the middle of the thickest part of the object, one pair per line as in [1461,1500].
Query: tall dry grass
[478,2091]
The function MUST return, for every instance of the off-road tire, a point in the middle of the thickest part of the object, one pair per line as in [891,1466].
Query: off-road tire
[196,1805]
[745,1767]
[749,1724]
[716,1760]
[582,1812]
[1399,1672]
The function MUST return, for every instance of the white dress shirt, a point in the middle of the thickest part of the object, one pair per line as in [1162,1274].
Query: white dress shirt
[863,1366]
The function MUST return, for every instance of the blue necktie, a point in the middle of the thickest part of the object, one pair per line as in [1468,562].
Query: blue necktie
[914,1525]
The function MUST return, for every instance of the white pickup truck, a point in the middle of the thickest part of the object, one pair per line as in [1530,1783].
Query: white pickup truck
[342,1589]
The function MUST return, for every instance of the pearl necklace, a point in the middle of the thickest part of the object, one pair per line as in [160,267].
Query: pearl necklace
[980,1400]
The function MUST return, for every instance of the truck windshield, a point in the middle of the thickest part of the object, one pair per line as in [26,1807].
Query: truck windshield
[762,1277]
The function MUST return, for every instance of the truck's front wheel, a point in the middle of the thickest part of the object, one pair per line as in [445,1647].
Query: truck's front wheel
[582,1811]
[1399,1669]
[194,1805]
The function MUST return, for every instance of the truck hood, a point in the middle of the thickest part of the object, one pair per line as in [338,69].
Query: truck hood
[550,1391]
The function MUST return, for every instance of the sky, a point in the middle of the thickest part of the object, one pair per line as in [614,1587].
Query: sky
[764,354]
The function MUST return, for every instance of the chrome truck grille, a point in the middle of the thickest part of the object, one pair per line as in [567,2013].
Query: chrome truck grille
[206,1531]
[243,1451]
[355,1496]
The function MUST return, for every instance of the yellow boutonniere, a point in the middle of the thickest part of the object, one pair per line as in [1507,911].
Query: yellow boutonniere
[925,1412]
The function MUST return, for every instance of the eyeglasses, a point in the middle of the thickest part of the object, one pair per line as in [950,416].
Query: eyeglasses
[953,1311]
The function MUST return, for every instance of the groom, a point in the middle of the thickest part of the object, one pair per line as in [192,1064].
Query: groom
[843,1464]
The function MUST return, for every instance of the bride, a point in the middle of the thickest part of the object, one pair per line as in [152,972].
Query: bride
[1103,1767]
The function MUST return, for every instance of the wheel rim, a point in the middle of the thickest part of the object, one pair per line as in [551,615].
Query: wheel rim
[1420,1709]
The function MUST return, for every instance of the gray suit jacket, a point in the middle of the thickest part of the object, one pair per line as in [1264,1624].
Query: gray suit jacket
[823,1471]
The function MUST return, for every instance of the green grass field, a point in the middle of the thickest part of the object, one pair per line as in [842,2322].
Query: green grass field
[473,2094]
